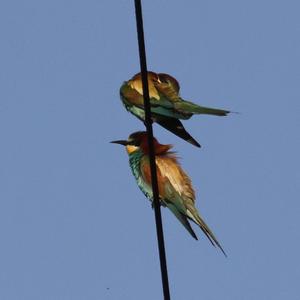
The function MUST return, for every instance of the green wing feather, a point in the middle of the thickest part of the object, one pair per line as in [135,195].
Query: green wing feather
[133,99]
[182,219]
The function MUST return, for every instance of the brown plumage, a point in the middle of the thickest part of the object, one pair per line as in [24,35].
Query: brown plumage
[167,107]
[174,185]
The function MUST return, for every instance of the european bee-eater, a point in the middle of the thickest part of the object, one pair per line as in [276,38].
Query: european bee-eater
[167,107]
[174,185]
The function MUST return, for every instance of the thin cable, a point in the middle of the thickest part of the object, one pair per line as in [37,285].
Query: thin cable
[148,124]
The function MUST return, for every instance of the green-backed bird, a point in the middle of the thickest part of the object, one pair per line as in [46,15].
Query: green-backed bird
[167,107]
[174,185]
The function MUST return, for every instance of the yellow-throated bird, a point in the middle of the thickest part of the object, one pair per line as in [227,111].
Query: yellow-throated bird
[167,107]
[174,185]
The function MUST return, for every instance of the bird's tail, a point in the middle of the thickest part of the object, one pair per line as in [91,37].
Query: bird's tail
[176,127]
[204,227]
[190,107]
[183,219]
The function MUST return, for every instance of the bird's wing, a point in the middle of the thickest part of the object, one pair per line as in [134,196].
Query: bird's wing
[131,93]
[181,183]
[167,194]
[176,191]
[169,166]
[173,183]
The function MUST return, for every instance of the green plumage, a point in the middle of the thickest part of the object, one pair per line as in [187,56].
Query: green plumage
[176,208]
[190,108]
[175,187]
[167,107]
[135,165]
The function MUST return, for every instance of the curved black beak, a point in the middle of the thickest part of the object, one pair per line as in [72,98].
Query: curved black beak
[121,142]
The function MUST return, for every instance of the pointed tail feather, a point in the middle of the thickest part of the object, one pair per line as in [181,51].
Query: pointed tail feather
[211,237]
[204,227]
[176,127]
[183,219]
[189,107]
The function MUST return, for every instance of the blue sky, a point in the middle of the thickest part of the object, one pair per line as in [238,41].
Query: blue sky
[73,224]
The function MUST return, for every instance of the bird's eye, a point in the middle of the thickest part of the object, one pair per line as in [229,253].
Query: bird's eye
[136,143]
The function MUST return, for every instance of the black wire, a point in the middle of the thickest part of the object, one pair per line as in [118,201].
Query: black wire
[148,124]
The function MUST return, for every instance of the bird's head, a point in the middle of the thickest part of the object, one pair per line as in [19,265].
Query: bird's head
[138,141]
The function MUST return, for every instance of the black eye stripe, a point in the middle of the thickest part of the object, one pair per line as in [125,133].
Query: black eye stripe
[134,143]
